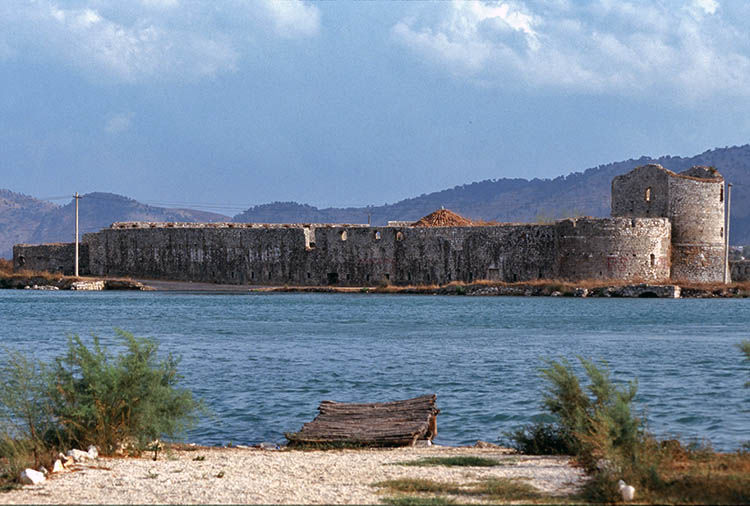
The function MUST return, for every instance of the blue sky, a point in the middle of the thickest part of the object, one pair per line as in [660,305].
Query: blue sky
[336,103]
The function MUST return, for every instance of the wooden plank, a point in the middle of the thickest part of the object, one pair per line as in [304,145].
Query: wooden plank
[393,423]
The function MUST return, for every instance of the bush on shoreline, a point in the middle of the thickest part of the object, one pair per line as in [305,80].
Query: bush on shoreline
[584,419]
[597,426]
[88,396]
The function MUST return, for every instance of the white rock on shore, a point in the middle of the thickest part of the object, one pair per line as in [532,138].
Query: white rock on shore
[32,477]
[88,285]
[58,467]
[81,456]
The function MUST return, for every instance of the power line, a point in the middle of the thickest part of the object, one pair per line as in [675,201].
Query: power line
[194,205]
[62,197]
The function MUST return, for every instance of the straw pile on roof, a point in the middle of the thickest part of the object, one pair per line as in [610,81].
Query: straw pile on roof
[443,218]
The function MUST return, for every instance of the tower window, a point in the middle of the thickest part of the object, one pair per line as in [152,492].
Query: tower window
[648,194]
[721,194]
[653,259]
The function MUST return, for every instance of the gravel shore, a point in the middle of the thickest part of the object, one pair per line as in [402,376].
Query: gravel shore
[253,476]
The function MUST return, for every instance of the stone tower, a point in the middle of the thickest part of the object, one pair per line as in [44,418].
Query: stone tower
[693,200]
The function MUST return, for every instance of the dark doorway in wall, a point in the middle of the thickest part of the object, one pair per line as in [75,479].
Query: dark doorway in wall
[333,278]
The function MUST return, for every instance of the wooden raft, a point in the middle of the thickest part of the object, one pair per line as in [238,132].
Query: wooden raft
[396,423]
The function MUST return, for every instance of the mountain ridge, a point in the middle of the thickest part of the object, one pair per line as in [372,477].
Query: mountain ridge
[24,218]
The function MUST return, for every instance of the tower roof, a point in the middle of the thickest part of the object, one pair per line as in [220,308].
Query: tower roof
[443,218]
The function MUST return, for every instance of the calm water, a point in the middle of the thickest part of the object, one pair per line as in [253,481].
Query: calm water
[263,363]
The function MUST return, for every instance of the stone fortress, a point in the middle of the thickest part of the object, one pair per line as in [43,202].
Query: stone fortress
[665,227]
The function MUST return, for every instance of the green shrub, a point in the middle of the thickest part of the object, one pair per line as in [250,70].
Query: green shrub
[88,396]
[26,421]
[105,401]
[595,423]
[541,439]
[744,347]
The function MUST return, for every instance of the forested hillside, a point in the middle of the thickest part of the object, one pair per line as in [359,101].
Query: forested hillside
[520,200]
[26,219]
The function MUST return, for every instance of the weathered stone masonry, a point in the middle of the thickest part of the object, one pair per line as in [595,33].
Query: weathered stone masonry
[54,257]
[356,255]
[652,209]
[694,203]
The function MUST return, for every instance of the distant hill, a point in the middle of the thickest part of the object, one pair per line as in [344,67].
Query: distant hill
[26,219]
[19,216]
[519,200]
[36,221]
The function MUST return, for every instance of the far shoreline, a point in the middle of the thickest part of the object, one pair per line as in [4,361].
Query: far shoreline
[541,288]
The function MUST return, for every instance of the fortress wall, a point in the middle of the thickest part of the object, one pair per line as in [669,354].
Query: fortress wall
[665,225]
[623,249]
[509,253]
[413,255]
[221,255]
[642,192]
[350,256]
[55,257]
[618,249]
[501,253]
[321,255]
[697,215]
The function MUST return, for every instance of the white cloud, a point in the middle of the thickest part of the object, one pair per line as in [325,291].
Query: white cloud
[118,123]
[707,6]
[148,39]
[293,18]
[601,46]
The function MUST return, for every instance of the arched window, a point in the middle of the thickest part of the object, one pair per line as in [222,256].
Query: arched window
[648,194]
[343,235]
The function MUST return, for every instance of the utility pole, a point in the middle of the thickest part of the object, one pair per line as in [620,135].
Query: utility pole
[727,271]
[77,197]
